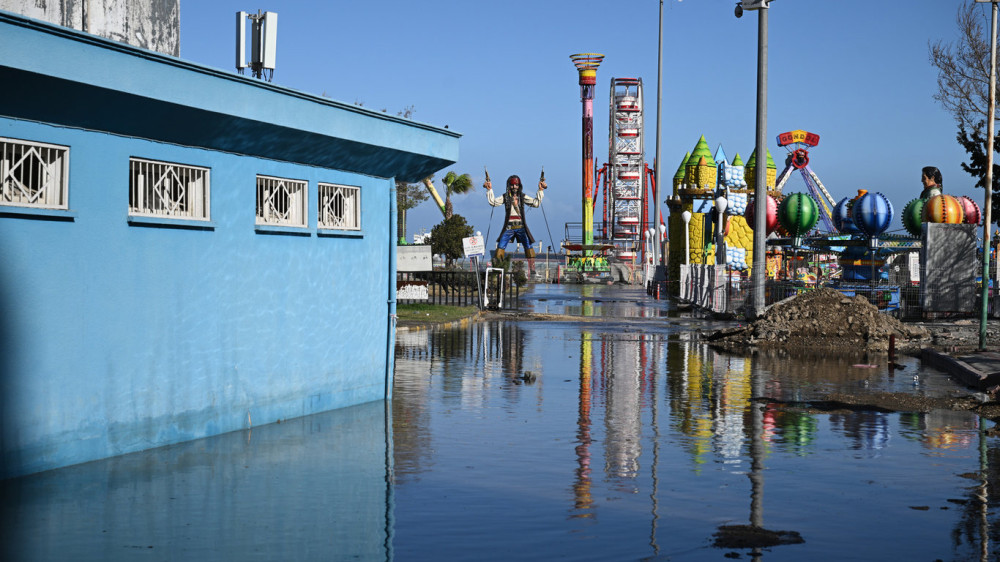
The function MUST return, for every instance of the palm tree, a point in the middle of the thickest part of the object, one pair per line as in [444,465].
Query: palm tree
[454,183]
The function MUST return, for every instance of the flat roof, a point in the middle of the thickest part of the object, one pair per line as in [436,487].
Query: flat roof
[66,77]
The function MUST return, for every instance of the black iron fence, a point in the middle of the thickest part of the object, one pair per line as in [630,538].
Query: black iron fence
[452,288]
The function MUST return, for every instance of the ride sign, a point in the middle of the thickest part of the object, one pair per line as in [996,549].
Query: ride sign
[798,136]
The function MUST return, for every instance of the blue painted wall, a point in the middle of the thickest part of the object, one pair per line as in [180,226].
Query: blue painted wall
[117,337]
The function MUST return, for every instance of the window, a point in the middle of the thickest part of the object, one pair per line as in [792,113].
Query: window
[33,174]
[163,189]
[339,207]
[281,201]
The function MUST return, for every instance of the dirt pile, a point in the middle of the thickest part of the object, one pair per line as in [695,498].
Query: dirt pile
[825,319]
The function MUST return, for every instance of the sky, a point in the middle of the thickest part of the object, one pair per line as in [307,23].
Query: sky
[855,72]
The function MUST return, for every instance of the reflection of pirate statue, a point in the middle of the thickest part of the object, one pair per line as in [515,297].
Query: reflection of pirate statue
[514,201]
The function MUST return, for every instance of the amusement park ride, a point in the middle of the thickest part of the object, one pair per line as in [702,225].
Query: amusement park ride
[626,179]
[853,239]
[796,142]
[711,207]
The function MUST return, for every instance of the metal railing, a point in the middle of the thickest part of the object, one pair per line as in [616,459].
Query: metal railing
[722,290]
[455,288]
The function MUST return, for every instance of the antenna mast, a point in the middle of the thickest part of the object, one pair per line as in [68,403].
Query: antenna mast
[263,43]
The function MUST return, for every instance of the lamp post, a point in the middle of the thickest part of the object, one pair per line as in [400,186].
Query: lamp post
[657,255]
[686,216]
[649,259]
[661,240]
[547,263]
[720,253]
[988,188]
[757,274]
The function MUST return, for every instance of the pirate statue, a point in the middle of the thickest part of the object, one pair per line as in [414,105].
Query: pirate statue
[514,202]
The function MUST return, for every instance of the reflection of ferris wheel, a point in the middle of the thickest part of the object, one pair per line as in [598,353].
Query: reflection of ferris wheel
[796,143]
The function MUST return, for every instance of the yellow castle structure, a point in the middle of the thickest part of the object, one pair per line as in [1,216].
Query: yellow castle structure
[700,180]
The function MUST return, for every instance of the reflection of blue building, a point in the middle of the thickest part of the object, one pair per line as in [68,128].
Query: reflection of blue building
[185,251]
[315,488]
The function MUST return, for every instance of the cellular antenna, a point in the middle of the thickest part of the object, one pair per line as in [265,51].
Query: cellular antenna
[263,43]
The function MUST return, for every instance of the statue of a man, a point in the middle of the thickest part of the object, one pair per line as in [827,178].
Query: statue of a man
[930,177]
[515,201]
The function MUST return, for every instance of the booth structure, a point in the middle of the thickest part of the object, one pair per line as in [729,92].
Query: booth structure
[185,251]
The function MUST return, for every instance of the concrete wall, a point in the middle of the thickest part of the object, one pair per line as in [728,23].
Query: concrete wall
[149,24]
[948,260]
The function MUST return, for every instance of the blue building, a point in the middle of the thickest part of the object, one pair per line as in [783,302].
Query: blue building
[184,251]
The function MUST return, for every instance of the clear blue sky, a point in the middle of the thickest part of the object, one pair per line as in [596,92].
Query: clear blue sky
[854,71]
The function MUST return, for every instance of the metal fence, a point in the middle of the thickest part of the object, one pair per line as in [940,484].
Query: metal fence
[455,288]
[723,290]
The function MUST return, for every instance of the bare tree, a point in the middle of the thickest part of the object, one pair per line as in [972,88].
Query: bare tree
[964,68]
[408,196]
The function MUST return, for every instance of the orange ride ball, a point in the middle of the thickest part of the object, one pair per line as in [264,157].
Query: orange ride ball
[943,209]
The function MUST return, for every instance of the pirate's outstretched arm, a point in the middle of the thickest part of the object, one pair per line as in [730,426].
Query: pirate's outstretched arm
[493,201]
[537,200]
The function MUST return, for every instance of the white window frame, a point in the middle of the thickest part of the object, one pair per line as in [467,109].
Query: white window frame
[33,174]
[282,202]
[339,207]
[168,190]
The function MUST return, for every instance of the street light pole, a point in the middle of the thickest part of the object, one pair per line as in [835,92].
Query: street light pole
[987,218]
[657,254]
[759,270]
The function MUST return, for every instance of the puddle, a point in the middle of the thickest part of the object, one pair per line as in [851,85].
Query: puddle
[621,440]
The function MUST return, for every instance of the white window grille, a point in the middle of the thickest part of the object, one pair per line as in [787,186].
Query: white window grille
[164,189]
[33,174]
[339,207]
[281,201]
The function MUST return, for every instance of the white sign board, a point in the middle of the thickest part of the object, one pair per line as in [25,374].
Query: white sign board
[473,246]
[914,266]
[413,258]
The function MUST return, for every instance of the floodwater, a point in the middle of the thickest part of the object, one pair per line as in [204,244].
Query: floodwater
[620,439]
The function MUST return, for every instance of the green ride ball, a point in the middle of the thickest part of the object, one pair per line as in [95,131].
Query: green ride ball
[913,216]
[798,213]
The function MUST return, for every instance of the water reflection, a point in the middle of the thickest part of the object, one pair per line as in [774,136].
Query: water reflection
[537,440]
[668,435]
[314,488]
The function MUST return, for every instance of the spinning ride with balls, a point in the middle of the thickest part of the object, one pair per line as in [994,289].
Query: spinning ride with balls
[854,228]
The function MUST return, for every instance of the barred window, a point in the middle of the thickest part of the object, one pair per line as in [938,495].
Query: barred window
[339,207]
[281,201]
[33,174]
[164,189]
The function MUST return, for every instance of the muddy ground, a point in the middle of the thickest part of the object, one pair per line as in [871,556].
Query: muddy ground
[826,321]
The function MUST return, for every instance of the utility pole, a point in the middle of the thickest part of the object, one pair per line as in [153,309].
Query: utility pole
[987,218]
